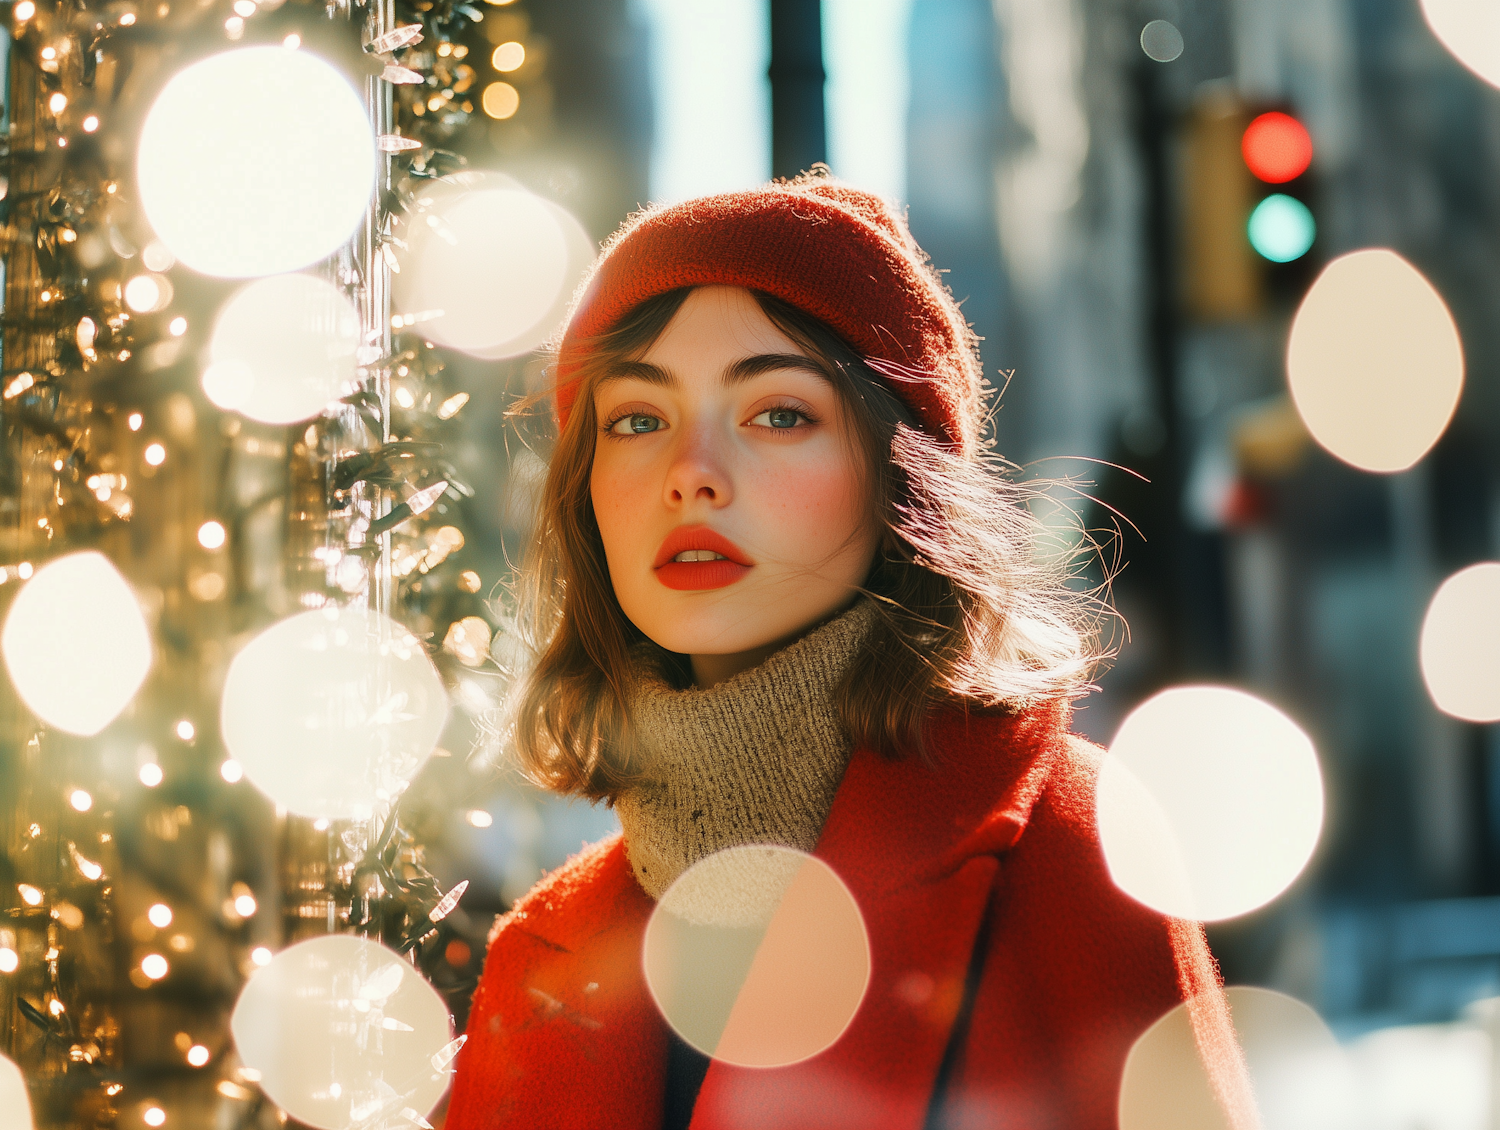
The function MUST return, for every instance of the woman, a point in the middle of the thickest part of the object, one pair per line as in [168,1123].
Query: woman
[776,597]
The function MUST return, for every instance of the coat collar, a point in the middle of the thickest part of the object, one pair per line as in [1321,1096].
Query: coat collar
[916,842]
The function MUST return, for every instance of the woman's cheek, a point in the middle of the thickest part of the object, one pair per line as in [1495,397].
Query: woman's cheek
[810,510]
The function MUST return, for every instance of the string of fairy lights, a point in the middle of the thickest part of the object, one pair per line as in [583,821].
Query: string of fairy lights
[233,543]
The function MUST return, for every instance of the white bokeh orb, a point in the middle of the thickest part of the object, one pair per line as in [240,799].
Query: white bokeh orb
[76,644]
[332,712]
[282,349]
[1460,644]
[1209,803]
[489,268]
[1300,1076]
[1374,361]
[757,956]
[1470,30]
[15,1103]
[343,1033]
[256,161]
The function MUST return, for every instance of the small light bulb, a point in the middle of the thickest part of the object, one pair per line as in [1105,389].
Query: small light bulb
[134,421]
[58,102]
[160,915]
[197,1055]
[155,454]
[154,1115]
[127,19]
[24,10]
[292,42]
[231,771]
[211,535]
[30,895]
[23,570]
[244,905]
[185,730]
[177,326]
[479,818]
[80,800]
[261,955]
[154,966]
[91,123]
[150,774]
[10,961]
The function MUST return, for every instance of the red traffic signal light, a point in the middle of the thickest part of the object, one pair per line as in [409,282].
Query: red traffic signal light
[1277,147]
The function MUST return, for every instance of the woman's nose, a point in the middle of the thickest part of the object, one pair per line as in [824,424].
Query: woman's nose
[698,472]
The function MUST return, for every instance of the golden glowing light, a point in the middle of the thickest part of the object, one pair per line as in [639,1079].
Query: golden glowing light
[154,1116]
[508,57]
[244,905]
[261,955]
[282,349]
[150,774]
[1374,361]
[160,915]
[157,257]
[155,454]
[224,205]
[30,895]
[479,818]
[197,1055]
[177,326]
[80,800]
[331,712]
[146,294]
[15,1101]
[501,100]
[491,266]
[154,966]
[1471,33]
[211,535]
[127,19]
[23,10]
[134,421]
[1209,804]
[468,640]
[58,102]
[185,730]
[757,956]
[232,771]
[75,643]
[345,1009]
[10,961]
[1460,644]
[292,41]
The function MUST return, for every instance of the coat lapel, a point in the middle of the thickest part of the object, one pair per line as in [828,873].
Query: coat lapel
[917,843]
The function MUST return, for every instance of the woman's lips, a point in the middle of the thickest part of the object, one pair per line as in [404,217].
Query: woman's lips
[689,576]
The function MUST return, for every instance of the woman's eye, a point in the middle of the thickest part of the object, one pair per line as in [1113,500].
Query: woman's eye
[779,418]
[635,424]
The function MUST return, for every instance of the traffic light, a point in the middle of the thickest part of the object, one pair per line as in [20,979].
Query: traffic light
[1278,151]
[1249,221]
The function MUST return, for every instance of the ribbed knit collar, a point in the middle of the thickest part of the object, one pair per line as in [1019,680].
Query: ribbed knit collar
[755,759]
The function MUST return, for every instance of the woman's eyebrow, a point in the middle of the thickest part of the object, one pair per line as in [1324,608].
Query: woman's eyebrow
[638,371]
[747,367]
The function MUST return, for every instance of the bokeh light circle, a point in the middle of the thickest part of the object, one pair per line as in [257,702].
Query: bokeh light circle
[1281,228]
[332,712]
[1209,804]
[76,644]
[343,1031]
[1276,147]
[282,349]
[1374,361]
[256,161]
[1300,1076]
[1460,645]
[15,1102]
[757,956]
[1161,41]
[489,268]
[1470,30]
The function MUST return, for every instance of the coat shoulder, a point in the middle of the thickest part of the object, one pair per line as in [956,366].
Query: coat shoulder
[589,883]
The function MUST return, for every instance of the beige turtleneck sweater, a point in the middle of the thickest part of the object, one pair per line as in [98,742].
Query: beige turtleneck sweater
[755,759]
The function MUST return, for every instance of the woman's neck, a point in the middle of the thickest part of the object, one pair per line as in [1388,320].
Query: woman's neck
[711,670]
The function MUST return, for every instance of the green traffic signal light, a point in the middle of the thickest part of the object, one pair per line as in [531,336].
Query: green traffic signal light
[1282,228]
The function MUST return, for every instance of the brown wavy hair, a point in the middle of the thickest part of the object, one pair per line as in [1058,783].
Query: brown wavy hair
[973,613]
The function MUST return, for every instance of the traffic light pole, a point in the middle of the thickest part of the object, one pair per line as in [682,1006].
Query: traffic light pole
[798,119]
[1169,583]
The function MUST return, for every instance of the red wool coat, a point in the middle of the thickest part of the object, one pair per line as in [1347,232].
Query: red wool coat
[564,1036]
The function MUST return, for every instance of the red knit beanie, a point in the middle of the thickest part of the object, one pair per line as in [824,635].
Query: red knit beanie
[830,250]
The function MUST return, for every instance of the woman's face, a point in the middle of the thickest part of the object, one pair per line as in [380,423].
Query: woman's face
[730,495]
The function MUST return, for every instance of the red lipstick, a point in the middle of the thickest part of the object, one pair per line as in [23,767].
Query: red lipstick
[730,564]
